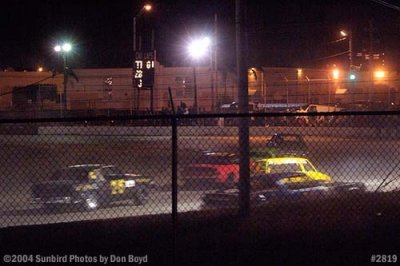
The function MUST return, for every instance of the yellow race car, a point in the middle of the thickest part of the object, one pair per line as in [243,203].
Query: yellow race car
[289,165]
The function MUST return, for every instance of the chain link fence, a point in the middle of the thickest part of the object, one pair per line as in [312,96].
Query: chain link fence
[67,170]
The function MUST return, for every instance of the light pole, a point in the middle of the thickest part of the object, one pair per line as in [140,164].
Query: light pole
[287,92]
[196,101]
[64,50]
[308,90]
[145,8]
[197,49]
[349,36]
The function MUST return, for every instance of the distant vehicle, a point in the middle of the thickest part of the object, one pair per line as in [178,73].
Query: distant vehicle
[289,165]
[316,120]
[313,108]
[280,107]
[91,186]
[234,107]
[211,170]
[281,187]
[281,145]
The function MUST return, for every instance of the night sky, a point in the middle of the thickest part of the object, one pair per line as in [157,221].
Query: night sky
[280,33]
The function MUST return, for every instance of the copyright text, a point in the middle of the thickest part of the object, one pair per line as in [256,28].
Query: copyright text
[74,258]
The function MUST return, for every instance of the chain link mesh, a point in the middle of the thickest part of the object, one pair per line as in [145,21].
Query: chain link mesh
[67,171]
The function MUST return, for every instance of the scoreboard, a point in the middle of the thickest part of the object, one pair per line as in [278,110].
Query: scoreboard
[143,70]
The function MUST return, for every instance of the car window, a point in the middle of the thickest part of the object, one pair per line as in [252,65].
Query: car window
[283,168]
[218,159]
[75,174]
[112,172]
[312,108]
[257,167]
[308,167]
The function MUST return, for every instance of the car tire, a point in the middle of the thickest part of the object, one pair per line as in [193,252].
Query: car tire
[91,202]
[141,197]
[50,208]
[230,181]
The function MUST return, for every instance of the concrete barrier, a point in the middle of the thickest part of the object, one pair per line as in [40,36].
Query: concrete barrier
[219,131]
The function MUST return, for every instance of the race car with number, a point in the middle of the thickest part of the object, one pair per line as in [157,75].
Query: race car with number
[91,186]
[281,145]
[289,165]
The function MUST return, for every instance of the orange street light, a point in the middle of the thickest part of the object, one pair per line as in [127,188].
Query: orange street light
[335,74]
[379,74]
[147,7]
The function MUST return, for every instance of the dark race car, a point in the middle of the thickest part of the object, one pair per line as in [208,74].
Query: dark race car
[91,186]
[281,187]
[281,145]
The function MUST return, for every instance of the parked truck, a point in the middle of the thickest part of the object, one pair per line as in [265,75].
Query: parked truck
[314,120]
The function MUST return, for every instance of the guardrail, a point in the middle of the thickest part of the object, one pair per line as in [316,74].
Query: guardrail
[392,132]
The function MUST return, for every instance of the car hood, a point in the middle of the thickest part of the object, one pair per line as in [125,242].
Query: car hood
[54,188]
[349,186]
[318,176]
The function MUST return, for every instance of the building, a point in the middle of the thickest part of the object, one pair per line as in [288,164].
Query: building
[106,91]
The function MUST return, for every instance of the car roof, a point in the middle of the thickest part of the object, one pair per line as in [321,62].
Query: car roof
[85,166]
[286,160]
[285,178]
[218,154]
[217,158]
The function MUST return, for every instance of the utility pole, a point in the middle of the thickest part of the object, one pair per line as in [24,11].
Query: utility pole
[386,4]
[196,101]
[351,50]
[135,88]
[370,64]
[65,83]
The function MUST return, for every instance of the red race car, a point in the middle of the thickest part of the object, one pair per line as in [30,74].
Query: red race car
[211,170]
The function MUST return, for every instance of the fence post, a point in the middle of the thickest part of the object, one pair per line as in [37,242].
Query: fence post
[174,185]
[242,81]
